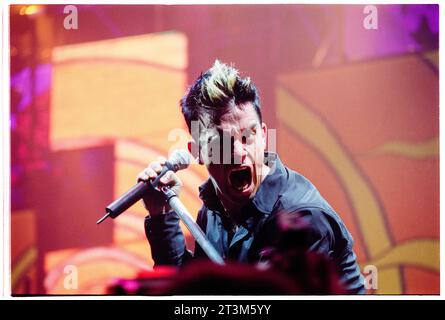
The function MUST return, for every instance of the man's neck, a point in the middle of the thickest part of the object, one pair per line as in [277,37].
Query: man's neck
[233,209]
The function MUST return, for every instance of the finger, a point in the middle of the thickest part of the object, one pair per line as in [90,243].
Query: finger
[156,166]
[176,184]
[147,174]
[142,176]
[171,179]
[167,178]
[162,160]
[177,181]
[150,173]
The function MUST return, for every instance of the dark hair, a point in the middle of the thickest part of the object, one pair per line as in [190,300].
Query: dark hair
[214,91]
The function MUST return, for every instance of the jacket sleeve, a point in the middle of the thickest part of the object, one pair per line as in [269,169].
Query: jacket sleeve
[201,220]
[329,236]
[167,240]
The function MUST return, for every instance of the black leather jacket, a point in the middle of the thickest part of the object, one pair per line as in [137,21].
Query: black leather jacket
[283,190]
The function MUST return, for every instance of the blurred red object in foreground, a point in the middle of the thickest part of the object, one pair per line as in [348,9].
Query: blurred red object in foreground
[287,267]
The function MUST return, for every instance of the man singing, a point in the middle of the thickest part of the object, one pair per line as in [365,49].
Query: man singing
[248,187]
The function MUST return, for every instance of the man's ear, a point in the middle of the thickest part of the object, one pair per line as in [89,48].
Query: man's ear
[194,150]
[264,130]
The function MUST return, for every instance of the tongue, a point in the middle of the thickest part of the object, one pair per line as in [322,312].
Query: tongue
[240,179]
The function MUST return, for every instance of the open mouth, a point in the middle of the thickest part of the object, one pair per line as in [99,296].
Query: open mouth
[240,178]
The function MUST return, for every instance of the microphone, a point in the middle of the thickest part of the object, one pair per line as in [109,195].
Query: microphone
[179,160]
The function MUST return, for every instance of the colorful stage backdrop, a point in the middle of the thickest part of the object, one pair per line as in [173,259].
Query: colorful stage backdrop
[366,132]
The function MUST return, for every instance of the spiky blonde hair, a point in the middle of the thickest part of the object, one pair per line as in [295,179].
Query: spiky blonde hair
[218,88]
[221,83]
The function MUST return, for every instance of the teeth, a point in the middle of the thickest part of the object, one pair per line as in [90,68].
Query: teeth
[239,169]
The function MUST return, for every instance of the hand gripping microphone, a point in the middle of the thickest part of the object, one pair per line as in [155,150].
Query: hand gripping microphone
[180,159]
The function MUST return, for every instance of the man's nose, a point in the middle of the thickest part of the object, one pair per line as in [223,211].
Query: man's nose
[239,152]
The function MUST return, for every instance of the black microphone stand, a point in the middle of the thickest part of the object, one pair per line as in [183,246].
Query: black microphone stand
[117,207]
[192,226]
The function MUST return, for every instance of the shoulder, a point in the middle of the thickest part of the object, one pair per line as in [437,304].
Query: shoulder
[300,193]
[317,226]
[327,226]
[325,231]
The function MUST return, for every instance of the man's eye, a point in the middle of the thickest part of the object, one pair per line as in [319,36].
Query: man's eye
[249,136]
